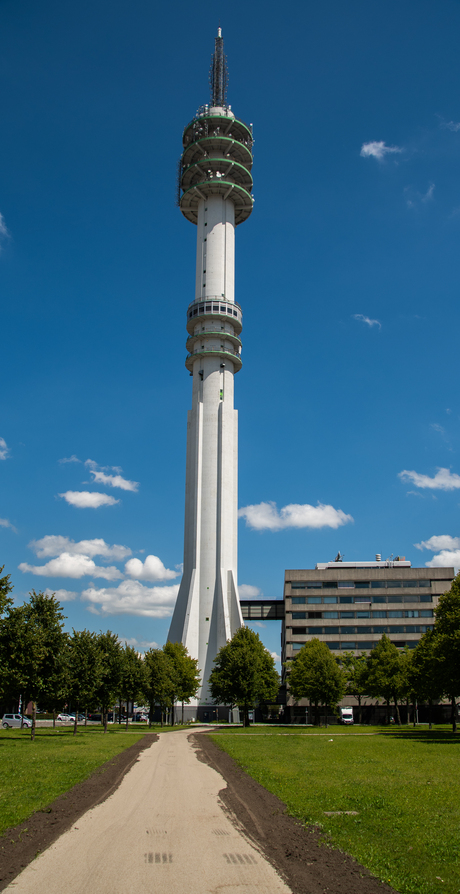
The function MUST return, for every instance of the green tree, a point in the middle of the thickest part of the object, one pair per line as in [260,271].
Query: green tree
[131,676]
[314,674]
[243,673]
[424,672]
[158,685]
[355,668]
[447,644]
[84,670]
[385,678]
[109,681]
[185,675]
[32,635]
[6,588]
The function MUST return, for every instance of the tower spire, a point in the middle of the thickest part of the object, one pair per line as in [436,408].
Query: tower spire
[218,74]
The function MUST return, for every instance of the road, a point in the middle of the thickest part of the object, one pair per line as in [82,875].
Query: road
[163,830]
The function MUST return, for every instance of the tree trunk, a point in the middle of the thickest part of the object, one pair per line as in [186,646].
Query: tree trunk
[246,716]
[360,713]
[414,709]
[172,713]
[127,714]
[34,719]
[106,719]
[454,714]
[327,708]
[119,712]
[398,716]
[430,713]
[182,713]
[54,718]
[317,720]
[75,721]
[86,716]
[408,713]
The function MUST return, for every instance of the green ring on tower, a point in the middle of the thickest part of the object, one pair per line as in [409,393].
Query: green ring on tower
[231,149]
[243,201]
[231,170]
[230,126]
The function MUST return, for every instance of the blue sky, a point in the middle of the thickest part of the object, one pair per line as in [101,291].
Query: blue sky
[347,273]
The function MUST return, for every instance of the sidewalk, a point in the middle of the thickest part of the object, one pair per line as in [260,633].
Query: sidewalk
[162,830]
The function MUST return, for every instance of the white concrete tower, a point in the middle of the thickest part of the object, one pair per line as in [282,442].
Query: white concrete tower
[215,194]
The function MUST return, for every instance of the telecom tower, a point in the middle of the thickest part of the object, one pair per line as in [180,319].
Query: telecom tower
[215,194]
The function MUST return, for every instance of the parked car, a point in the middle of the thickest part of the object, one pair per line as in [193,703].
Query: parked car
[65,718]
[79,717]
[10,720]
[143,718]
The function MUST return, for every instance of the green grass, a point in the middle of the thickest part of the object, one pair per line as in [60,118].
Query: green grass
[33,774]
[404,784]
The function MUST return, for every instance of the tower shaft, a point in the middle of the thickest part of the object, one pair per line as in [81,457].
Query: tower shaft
[215,181]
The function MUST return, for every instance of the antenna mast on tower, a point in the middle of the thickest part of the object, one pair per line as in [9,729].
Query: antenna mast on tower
[218,73]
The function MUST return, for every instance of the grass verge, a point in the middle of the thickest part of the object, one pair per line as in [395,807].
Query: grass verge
[33,774]
[403,785]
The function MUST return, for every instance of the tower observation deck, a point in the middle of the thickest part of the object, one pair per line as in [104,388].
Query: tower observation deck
[215,183]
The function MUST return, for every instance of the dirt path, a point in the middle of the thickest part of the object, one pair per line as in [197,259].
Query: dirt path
[163,829]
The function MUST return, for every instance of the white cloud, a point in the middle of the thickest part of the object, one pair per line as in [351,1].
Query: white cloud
[3,228]
[84,499]
[152,569]
[113,481]
[439,541]
[5,523]
[70,459]
[454,126]
[276,656]
[436,427]
[367,320]
[132,598]
[139,644]
[247,591]
[414,197]
[445,559]
[62,595]
[265,516]
[378,149]
[55,544]
[67,565]
[443,480]
[4,449]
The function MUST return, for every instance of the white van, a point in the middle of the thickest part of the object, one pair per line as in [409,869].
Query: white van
[346,715]
[15,720]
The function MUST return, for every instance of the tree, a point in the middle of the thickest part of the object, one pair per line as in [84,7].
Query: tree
[36,641]
[158,685]
[424,671]
[109,681]
[185,676]
[131,675]
[355,668]
[84,669]
[5,589]
[385,673]
[314,674]
[244,673]
[447,644]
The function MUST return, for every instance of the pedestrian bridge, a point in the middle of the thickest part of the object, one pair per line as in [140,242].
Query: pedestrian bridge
[262,609]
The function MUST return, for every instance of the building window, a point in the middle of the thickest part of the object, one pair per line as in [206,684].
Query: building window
[363,630]
[314,615]
[379,614]
[299,616]
[395,614]
[296,646]
[313,599]
[330,599]
[347,614]
[377,584]
[345,584]
[348,645]
[314,631]
[411,614]
[346,598]
[297,600]
[379,599]
[299,631]
[331,630]
[362,584]
[330,614]
[363,614]
[425,613]
[425,597]
[333,645]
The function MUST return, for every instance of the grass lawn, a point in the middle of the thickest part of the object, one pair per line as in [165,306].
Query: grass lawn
[404,785]
[33,774]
